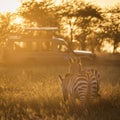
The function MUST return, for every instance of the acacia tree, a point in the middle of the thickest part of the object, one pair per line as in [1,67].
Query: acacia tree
[111,26]
[88,24]
[41,13]
[81,19]
[8,26]
[70,17]
[4,26]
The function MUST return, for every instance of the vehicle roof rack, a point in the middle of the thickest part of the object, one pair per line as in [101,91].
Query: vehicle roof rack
[42,28]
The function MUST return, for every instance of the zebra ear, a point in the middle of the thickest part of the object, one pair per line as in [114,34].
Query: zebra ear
[60,77]
[71,60]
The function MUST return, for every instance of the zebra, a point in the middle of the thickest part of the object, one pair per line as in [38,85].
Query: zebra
[82,84]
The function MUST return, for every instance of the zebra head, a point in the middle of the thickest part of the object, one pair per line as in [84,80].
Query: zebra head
[75,65]
[64,86]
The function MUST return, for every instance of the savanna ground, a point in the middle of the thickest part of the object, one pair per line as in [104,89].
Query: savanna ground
[34,93]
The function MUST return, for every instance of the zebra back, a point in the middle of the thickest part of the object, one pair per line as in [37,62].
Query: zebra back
[83,86]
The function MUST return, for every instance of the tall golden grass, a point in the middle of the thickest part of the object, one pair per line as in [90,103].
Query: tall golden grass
[34,93]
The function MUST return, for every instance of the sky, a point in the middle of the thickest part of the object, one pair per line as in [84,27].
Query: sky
[104,3]
[12,5]
[9,5]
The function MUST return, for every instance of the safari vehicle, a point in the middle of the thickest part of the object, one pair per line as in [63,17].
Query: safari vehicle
[38,45]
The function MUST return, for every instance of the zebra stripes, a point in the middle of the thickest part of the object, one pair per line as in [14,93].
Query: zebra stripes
[82,84]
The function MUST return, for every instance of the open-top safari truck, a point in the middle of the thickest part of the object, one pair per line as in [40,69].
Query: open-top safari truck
[37,45]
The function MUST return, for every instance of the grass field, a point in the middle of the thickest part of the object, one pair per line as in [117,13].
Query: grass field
[34,93]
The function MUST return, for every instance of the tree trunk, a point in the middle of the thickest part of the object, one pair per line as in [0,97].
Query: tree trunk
[114,46]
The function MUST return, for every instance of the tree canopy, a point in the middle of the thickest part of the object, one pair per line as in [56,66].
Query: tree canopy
[84,23]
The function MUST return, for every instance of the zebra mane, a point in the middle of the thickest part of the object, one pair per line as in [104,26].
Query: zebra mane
[75,65]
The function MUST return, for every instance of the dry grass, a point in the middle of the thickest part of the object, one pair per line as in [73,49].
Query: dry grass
[34,93]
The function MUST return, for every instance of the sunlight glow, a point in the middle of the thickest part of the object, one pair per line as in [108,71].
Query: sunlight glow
[107,47]
[12,5]
[104,3]
[18,20]
[9,5]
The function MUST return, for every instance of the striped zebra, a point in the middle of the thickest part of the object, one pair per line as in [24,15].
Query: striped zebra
[82,84]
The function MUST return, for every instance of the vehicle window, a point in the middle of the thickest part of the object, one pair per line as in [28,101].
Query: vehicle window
[37,46]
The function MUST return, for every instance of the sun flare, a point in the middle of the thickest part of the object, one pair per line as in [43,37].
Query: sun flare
[18,20]
[13,5]
[9,5]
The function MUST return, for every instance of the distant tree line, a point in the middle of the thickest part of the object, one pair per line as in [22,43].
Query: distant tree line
[82,25]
